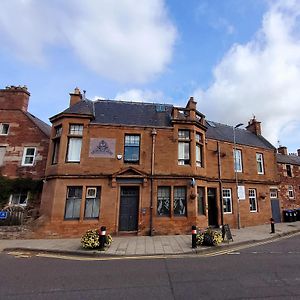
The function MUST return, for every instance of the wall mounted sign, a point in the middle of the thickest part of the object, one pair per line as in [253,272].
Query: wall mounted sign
[102,147]
[241,192]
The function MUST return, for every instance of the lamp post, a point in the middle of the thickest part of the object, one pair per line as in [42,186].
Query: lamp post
[236,176]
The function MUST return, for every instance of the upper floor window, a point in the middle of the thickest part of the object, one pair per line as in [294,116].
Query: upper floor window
[227,201]
[56,144]
[4,128]
[132,148]
[2,154]
[74,143]
[260,163]
[238,160]
[183,147]
[199,150]
[289,170]
[252,200]
[273,193]
[291,192]
[28,156]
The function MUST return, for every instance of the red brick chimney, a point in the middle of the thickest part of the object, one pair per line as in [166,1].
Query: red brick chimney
[14,97]
[191,104]
[254,126]
[283,150]
[75,97]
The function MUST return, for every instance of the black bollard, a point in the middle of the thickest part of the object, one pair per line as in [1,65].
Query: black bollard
[194,234]
[102,237]
[272,225]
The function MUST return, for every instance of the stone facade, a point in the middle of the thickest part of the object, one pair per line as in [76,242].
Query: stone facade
[175,179]
[24,141]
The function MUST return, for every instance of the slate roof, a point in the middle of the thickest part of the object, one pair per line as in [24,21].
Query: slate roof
[288,159]
[44,127]
[148,114]
[132,113]
[221,132]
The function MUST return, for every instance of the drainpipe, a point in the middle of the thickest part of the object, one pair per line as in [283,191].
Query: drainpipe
[153,134]
[220,182]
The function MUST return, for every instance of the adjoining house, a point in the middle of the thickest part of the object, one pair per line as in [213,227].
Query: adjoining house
[24,141]
[289,172]
[148,168]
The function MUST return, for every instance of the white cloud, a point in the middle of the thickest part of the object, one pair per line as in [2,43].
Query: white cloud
[261,77]
[137,95]
[124,40]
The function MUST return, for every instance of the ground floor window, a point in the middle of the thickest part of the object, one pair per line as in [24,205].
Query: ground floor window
[92,202]
[252,200]
[73,202]
[19,198]
[227,201]
[201,200]
[163,200]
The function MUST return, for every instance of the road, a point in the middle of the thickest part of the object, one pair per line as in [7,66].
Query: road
[269,271]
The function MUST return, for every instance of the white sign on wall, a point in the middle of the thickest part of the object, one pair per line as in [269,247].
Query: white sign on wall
[241,192]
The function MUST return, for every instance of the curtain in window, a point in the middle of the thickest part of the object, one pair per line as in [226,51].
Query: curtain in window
[74,149]
[183,151]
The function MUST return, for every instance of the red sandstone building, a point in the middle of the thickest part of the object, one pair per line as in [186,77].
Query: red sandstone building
[24,141]
[150,168]
[289,171]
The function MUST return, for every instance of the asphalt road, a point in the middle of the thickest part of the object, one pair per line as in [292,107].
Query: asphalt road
[270,271]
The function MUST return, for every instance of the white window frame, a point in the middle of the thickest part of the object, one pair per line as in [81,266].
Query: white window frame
[25,155]
[291,192]
[228,197]
[272,193]
[184,147]
[238,165]
[260,162]
[19,195]
[1,128]
[252,196]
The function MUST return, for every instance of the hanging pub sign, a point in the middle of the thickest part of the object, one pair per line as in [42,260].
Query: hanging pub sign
[102,147]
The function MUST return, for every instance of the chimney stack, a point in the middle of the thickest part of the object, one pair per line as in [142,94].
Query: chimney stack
[283,150]
[254,126]
[75,97]
[14,97]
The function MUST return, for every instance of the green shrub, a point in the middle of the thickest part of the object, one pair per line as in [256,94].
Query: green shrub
[90,240]
[209,238]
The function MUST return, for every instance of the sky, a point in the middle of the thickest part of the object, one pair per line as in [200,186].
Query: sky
[237,58]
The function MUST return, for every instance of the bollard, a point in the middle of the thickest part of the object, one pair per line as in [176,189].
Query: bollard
[102,237]
[272,225]
[194,234]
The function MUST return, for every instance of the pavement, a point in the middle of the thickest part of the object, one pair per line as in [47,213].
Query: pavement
[127,246]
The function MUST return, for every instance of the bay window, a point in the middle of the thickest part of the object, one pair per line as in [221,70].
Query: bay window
[183,147]
[74,143]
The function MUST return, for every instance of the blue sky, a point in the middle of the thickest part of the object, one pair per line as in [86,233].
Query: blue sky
[238,58]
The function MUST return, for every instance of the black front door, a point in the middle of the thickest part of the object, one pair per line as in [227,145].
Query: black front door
[128,216]
[212,207]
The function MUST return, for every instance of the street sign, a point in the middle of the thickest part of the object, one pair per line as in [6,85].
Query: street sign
[3,214]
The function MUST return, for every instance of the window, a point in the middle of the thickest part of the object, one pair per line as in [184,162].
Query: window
[291,192]
[201,200]
[132,148]
[238,160]
[183,147]
[19,198]
[4,129]
[273,193]
[252,200]
[199,149]
[2,154]
[73,202]
[227,202]
[289,170]
[74,143]
[163,200]
[92,203]
[56,144]
[179,204]
[28,156]
[260,163]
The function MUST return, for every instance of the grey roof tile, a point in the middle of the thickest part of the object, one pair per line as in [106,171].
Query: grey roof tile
[288,159]
[44,127]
